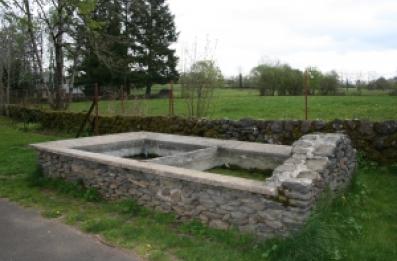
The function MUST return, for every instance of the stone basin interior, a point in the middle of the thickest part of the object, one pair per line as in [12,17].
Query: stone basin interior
[141,149]
[236,171]
[210,159]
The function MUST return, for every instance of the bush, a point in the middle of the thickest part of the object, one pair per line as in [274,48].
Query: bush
[393,93]
[280,79]
[329,84]
[198,87]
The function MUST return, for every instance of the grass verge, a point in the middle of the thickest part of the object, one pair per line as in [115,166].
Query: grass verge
[360,225]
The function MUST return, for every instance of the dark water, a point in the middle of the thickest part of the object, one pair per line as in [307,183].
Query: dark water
[142,156]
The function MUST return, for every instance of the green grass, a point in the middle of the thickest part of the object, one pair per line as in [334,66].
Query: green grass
[237,104]
[360,225]
[236,171]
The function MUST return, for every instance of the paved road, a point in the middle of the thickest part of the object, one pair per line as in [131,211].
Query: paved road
[26,236]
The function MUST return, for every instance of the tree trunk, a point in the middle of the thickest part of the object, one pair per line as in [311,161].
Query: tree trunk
[71,85]
[37,56]
[33,39]
[2,98]
[149,81]
[58,73]
[72,79]
[58,45]
[148,88]
[8,89]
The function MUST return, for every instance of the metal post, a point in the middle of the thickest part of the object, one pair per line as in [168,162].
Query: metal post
[306,92]
[122,100]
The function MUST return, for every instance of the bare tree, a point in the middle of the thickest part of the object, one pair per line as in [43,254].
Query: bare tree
[22,10]
[56,14]
[198,85]
[7,51]
[25,8]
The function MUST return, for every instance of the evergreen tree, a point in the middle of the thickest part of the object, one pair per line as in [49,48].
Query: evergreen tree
[105,58]
[152,31]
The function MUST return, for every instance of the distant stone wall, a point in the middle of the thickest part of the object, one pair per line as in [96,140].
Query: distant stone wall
[276,207]
[378,140]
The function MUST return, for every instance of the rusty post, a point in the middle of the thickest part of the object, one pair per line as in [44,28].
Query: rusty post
[306,91]
[96,99]
[171,100]
[122,100]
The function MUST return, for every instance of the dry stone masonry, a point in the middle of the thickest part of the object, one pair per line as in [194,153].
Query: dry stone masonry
[176,180]
[377,140]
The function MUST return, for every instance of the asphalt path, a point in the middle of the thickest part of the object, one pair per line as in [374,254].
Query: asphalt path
[26,236]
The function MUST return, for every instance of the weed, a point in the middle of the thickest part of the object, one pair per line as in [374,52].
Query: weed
[75,189]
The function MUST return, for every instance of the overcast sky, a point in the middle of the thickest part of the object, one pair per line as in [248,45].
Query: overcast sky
[350,36]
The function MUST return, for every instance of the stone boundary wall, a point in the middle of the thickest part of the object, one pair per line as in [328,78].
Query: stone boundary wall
[273,208]
[378,140]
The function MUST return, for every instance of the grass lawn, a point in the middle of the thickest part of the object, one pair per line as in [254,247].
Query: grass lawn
[237,104]
[360,225]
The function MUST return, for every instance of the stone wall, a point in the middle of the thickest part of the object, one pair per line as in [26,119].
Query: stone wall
[317,161]
[378,140]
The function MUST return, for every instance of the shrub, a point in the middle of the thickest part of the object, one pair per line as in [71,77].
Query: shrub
[198,86]
[280,79]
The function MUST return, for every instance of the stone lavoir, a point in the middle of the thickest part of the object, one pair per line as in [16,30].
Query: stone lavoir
[171,173]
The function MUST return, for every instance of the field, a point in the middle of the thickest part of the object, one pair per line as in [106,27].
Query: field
[237,104]
[359,225]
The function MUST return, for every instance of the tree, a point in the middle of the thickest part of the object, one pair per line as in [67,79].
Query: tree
[18,75]
[380,84]
[278,78]
[329,84]
[105,57]
[30,25]
[264,78]
[292,81]
[152,30]
[315,79]
[61,17]
[116,42]
[198,86]
[18,68]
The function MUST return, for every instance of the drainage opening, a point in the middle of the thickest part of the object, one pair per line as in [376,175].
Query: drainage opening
[142,156]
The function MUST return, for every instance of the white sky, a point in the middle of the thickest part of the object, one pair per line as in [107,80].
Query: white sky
[356,37]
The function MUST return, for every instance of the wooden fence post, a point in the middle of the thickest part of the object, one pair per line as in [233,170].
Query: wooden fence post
[171,100]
